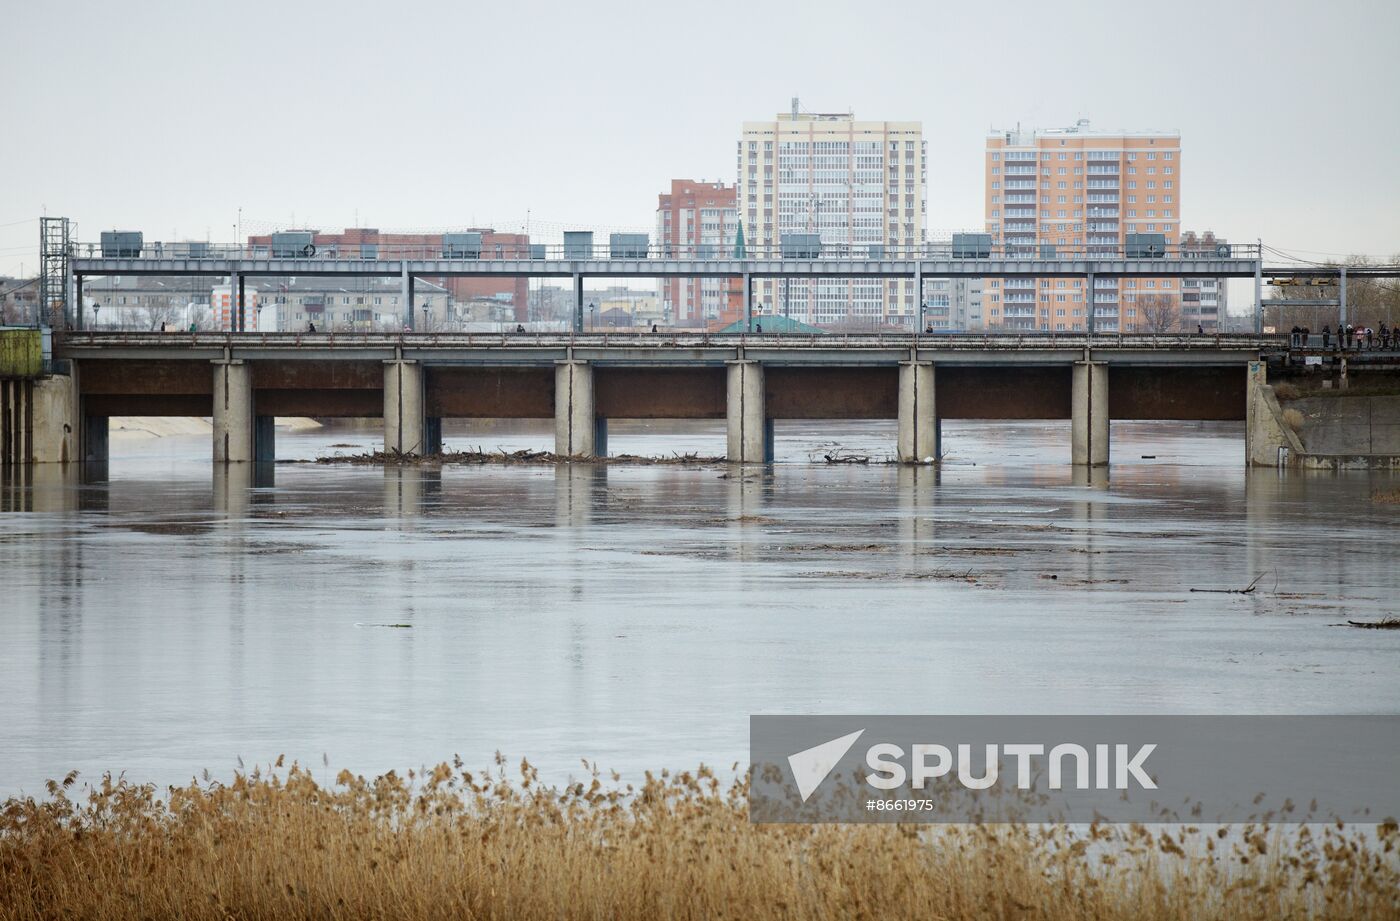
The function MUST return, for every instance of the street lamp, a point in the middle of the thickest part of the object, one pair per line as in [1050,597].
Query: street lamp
[425,316]
[95,309]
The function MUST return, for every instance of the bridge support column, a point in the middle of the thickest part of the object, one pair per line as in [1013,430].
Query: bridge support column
[234,438]
[578,432]
[918,414]
[16,422]
[750,430]
[404,422]
[1089,408]
[578,303]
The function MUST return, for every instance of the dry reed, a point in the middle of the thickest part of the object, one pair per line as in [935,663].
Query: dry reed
[1386,496]
[1285,390]
[446,843]
[1293,419]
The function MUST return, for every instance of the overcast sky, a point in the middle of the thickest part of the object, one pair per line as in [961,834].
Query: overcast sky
[169,117]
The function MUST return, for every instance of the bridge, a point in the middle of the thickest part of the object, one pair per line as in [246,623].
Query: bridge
[409,262]
[242,381]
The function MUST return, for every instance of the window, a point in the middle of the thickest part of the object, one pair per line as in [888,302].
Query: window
[1167,170]
[995,155]
[1167,155]
[996,171]
[1059,185]
[1132,170]
[1061,156]
[1061,171]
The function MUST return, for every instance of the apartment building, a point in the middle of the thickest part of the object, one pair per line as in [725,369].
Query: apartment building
[270,304]
[1079,190]
[1203,300]
[365,242]
[698,220]
[859,185]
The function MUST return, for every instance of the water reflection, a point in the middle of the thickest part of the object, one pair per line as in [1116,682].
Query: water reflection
[174,616]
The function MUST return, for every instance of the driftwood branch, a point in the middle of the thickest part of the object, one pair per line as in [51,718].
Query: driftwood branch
[1234,591]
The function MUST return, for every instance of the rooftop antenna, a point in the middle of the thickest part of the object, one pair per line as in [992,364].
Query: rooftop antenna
[794,107]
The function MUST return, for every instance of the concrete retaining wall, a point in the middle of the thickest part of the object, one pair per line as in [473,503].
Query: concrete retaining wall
[1346,425]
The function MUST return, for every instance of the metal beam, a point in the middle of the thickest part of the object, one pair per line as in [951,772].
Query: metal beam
[692,268]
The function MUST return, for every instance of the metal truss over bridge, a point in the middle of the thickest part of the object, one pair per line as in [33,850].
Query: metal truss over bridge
[577,263]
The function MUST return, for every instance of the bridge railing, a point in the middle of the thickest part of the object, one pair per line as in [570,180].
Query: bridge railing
[679,339]
[651,251]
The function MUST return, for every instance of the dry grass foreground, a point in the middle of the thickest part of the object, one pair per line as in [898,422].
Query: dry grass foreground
[448,844]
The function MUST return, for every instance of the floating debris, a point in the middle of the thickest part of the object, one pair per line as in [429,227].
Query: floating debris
[524,456]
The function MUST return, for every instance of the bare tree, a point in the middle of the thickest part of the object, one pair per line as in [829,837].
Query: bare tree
[1158,313]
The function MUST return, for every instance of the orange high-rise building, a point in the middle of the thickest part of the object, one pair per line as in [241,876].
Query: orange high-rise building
[1078,192]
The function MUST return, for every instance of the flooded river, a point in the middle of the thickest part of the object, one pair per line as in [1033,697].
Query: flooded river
[173,618]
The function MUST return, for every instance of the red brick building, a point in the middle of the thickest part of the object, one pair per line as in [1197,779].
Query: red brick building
[698,220]
[368,242]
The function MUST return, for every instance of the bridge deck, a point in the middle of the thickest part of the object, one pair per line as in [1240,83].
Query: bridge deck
[677,348]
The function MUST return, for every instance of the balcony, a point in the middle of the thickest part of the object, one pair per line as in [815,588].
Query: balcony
[1021,184]
[1103,212]
[1020,171]
[1110,169]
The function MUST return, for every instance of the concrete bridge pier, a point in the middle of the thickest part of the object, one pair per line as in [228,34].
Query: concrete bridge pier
[919,427]
[240,435]
[1089,414]
[578,429]
[750,430]
[234,436]
[407,428]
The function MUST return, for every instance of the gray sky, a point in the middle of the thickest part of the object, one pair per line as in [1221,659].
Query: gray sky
[168,117]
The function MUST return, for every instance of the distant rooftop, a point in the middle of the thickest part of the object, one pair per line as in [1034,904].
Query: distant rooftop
[1020,137]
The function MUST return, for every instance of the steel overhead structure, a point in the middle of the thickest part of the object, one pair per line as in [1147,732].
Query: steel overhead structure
[653,268]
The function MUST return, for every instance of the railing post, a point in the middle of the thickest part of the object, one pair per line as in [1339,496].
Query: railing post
[748,302]
[578,303]
[406,288]
[919,290]
[1259,294]
[1089,320]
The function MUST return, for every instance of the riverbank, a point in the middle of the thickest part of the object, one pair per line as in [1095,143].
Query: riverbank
[450,842]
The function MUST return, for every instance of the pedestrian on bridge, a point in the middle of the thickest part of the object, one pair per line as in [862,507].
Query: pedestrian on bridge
[1370,337]
[1326,335]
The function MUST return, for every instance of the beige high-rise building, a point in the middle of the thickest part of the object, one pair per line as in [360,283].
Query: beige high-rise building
[859,184]
[1078,191]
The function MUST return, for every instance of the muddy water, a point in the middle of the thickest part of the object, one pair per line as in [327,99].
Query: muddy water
[171,618]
